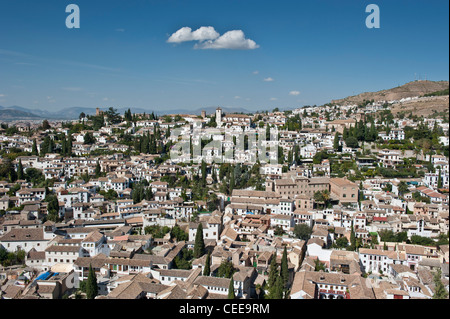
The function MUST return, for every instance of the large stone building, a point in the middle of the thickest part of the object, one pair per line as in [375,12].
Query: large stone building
[344,190]
[293,186]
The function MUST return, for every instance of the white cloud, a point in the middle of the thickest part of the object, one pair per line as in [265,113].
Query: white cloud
[186,34]
[237,97]
[209,38]
[233,40]
[294,93]
[2,95]
[255,72]
[273,99]
[269,79]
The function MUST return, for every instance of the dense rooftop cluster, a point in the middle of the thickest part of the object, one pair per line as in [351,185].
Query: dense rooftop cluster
[352,202]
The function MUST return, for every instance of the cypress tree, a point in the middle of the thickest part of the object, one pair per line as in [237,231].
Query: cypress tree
[50,146]
[290,157]
[207,270]
[69,145]
[214,174]
[232,182]
[296,153]
[34,150]
[439,182]
[44,146]
[91,287]
[20,174]
[64,147]
[98,170]
[273,272]
[284,270]
[345,133]
[203,171]
[336,141]
[231,294]
[199,245]
[352,239]
[277,292]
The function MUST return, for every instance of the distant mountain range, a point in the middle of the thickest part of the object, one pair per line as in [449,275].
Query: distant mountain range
[11,113]
[21,113]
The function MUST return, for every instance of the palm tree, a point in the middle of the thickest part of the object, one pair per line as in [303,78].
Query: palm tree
[258,289]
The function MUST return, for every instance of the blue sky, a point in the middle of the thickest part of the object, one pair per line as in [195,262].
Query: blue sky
[313,51]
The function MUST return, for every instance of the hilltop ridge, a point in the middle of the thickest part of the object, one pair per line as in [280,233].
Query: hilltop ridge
[410,89]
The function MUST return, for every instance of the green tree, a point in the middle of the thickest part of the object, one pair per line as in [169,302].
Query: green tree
[322,197]
[7,170]
[273,272]
[440,292]
[207,270]
[336,143]
[98,170]
[341,242]
[226,270]
[52,207]
[45,125]
[91,286]
[183,260]
[89,138]
[352,239]
[179,234]
[34,150]
[284,270]
[276,292]
[231,294]
[259,291]
[302,231]
[402,188]
[352,142]
[20,173]
[439,183]
[199,244]
[113,116]
[318,265]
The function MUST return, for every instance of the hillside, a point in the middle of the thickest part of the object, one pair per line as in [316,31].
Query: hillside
[423,107]
[12,114]
[411,89]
